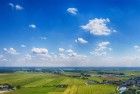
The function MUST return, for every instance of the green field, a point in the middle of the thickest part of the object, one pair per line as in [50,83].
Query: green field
[44,83]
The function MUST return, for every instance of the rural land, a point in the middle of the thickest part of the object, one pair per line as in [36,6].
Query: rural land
[69,46]
[41,80]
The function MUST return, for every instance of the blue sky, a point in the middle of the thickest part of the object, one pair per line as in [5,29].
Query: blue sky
[69,32]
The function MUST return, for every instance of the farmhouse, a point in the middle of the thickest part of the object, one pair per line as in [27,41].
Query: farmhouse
[112,82]
[122,89]
[132,81]
[85,75]
[5,87]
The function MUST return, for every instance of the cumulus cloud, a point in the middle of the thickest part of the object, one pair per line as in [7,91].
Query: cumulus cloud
[33,26]
[16,6]
[72,10]
[67,58]
[98,27]
[66,53]
[71,53]
[28,57]
[64,58]
[39,50]
[10,50]
[2,59]
[102,49]
[11,5]
[23,46]
[81,41]
[61,49]
[137,47]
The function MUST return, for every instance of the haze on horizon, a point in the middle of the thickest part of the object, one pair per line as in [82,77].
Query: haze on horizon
[70,33]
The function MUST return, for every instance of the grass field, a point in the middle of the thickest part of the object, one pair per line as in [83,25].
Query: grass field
[42,83]
[91,89]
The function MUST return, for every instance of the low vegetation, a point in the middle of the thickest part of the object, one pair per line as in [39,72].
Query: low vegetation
[70,82]
[44,83]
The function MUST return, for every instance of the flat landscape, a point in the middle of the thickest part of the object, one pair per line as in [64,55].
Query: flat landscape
[67,81]
[42,83]
[69,46]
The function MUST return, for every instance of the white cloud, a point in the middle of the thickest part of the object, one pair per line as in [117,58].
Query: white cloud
[61,49]
[41,57]
[68,58]
[103,44]
[102,49]
[17,6]
[81,40]
[39,50]
[69,51]
[4,60]
[32,26]
[28,57]
[73,54]
[23,46]
[137,47]
[72,10]
[10,50]
[62,55]
[1,56]
[98,27]
[11,5]
[66,54]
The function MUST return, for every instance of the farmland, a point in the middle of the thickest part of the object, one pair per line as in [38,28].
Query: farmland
[44,83]
[73,81]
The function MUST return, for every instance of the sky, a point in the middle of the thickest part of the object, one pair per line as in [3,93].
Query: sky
[70,33]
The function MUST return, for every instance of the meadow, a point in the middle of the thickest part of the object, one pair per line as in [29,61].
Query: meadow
[45,83]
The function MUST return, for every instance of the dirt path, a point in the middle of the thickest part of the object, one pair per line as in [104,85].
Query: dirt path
[3,91]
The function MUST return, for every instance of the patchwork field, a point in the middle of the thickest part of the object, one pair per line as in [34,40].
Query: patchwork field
[43,83]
